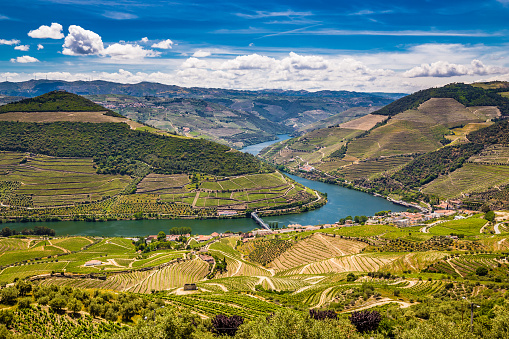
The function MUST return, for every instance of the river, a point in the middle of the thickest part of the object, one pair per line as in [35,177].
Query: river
[341,203]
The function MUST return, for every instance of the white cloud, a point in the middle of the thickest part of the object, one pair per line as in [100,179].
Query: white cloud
[80,41]
[119,15]
[23,48]
[39,47]
[252,61]
[128,52]
[145,39]
[47,32]
[9,42]
[446,69]
[194,63]
[24,59]
[264,14]
[201,54]
[165,44]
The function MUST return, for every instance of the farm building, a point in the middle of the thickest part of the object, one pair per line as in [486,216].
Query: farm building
[207,258]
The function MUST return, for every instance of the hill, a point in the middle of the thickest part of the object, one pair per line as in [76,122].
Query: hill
[411,154]
[232,117]
[56,101]
[76,164]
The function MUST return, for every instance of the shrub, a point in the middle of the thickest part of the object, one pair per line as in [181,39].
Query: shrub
[351,277]
[481,271]
[24,303]
[227,325]
[365,321]
[322,315]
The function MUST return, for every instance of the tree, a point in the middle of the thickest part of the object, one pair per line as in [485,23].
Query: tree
[351,277]
[365,321]
[481,271]
[24,303]
[322,315]
[23,287]
[227,325]
[74,305]
[128,310]
[490,216]
[9,295]
[161,236]
[57,303]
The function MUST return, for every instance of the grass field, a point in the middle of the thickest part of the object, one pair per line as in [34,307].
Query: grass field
[467,227]
[470,178]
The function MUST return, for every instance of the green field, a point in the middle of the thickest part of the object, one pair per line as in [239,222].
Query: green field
[467,227]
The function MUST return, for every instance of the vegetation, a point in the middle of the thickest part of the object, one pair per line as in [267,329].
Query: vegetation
[56,101]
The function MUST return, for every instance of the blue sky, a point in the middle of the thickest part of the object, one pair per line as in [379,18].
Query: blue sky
[396,46]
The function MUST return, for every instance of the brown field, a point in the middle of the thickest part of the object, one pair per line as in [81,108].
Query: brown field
[364,123]
[365,169]
[94,117]
[316,248]
[440,111]
[160,183]
[485,112]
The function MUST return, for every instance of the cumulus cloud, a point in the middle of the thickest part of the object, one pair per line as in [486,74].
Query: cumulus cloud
[9,42]
[23,48]
[194,63]
[145,39]
[80,41]
[47,32]
[165,44]
[24,59]
[201,54]
[252,61]
[446,69]
[39,47]
[128,52]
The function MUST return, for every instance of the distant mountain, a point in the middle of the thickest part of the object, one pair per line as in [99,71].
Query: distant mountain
[446,142]
[233,117]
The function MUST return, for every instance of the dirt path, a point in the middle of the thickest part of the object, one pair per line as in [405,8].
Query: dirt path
[426,228]
[323,298]
[262,278]
[407,261]
[381,302]
[499,243]
[455,269]
[304,268]
[220,285]
[484,227]
[65,250]
[497,230]
[196,199]
[114,263]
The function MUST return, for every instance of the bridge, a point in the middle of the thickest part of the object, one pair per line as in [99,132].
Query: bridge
[259,221]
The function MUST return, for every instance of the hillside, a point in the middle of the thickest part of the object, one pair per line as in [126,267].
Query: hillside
[56,101]
[232,117]
[79,164]
[414,280]
[426,136]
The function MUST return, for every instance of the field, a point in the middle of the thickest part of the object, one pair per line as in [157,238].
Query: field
[495,155]
[71,187]
[468,227]
[47,181]
[440,111]
[472,177]
[368,168]
[364,123]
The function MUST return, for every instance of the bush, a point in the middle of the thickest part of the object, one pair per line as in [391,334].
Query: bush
[351,277]
[322,315]
[9,295]
[481,271]
[24,303]
[365,321]
[227,325]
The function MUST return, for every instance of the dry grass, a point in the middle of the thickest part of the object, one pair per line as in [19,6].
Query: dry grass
[364,123]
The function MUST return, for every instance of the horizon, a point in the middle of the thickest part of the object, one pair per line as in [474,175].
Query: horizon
[394,47]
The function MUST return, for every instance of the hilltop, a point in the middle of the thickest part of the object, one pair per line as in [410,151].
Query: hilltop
[94,166]
[426,146]
[233,117]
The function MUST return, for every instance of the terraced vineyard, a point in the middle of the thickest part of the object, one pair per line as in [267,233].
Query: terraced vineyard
[367,168]
[472,177]
[317,247]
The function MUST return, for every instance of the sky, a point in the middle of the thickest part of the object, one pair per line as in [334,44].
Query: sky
[371,46]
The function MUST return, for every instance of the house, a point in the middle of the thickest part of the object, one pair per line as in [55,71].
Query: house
[202,238]
[93,263]
[215,234]
[207,258]
[150,238]
[190,287]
